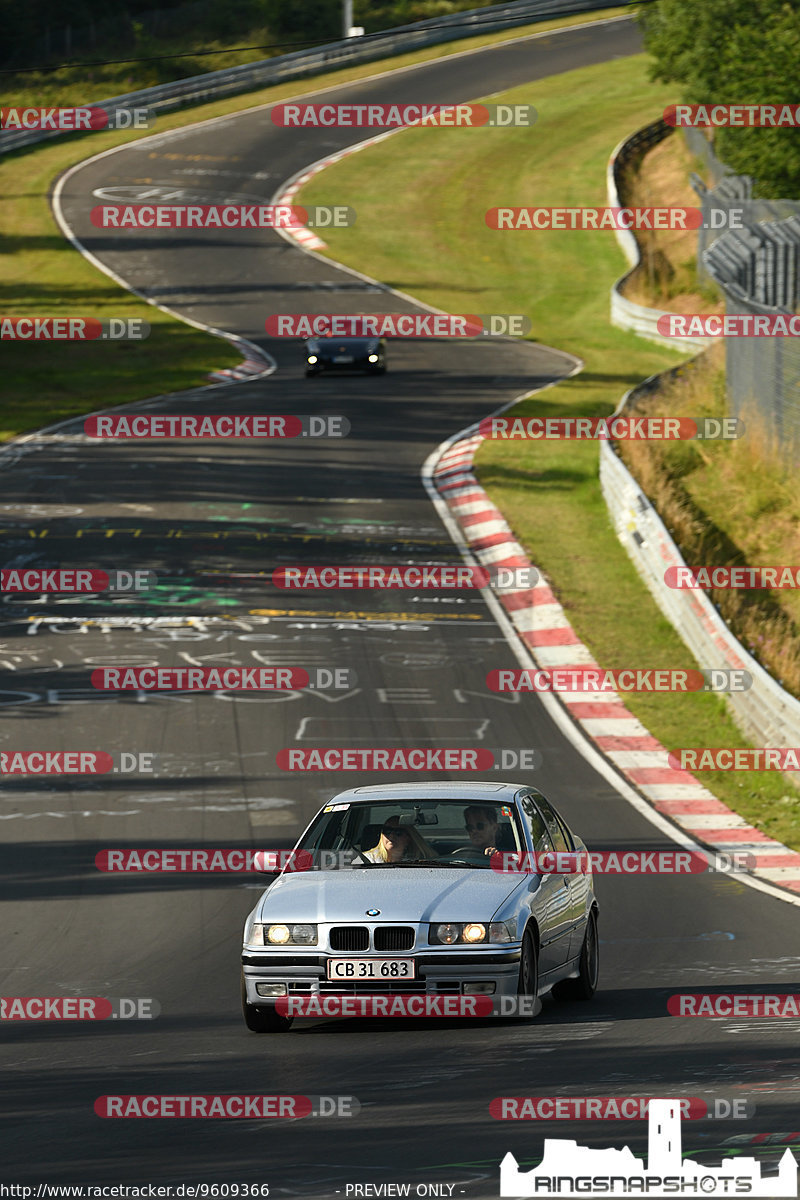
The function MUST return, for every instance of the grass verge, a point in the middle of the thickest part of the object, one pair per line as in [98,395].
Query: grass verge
[431,189]
[42,275]
[725,503]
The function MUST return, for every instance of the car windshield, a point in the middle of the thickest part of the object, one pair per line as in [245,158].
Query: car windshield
[455,833]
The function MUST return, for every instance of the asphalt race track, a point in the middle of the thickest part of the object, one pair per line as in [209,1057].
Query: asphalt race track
[214,521]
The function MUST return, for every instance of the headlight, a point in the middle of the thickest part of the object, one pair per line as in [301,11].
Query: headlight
[446,934]
[283,935]
[372,358]
[304,935]
[471,933]
[312,358]
[474,932]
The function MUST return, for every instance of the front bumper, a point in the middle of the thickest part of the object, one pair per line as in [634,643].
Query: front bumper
[437,973]
[359,364]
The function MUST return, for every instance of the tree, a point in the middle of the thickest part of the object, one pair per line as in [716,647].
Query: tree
[734,52]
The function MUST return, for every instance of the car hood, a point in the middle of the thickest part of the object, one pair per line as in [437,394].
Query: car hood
[343,345]
[400,893]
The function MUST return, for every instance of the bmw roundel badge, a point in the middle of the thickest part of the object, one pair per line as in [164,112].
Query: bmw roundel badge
[373,912]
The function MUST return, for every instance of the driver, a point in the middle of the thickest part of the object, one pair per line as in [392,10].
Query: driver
[480,822]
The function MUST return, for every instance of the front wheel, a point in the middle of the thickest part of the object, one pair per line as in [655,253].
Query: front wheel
[528,983]
[260,1018]
[585,986]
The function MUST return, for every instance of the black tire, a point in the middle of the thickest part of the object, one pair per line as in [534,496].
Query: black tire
[262,1018]
[585,986]
[528,982]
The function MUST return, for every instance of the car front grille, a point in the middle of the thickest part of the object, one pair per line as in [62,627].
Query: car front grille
[393,937]
[350,937]
[375,987]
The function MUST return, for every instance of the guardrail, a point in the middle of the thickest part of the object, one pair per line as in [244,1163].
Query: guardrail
[766,714]
[625,313]
[350,51]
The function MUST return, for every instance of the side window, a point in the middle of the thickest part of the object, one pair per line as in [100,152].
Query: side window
[539,835]
[558,832]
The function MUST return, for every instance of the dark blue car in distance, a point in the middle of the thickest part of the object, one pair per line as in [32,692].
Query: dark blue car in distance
[345,354]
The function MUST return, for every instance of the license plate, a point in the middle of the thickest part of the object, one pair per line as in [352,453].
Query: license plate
[343,358]
[370,968]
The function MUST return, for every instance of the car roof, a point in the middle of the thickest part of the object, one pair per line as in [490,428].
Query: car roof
[344,341]
[449,789]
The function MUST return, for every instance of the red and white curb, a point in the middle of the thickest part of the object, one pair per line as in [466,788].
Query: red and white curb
[301,233]
[251,368]
[542,625]
[297,231]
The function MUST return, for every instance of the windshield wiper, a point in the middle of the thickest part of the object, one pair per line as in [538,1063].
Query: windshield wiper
[432,862]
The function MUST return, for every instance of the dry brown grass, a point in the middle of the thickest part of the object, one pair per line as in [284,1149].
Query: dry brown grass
[667,274]
[727,504]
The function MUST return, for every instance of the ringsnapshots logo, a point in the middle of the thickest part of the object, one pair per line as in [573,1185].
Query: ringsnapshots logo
[397,325]
[75,120]
[73,329]
[614,428]
[75,580]
[222,216]
[569,1170]
[398,116]
[224,426]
